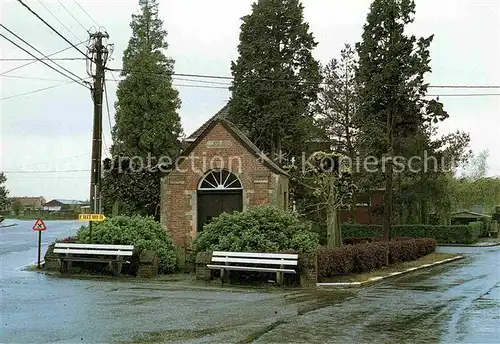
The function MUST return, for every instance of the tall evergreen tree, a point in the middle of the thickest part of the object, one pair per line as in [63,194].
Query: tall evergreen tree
[147,119]
[337,102]
[276,78]
[391,83]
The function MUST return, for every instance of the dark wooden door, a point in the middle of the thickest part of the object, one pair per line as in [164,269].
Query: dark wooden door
[213,203]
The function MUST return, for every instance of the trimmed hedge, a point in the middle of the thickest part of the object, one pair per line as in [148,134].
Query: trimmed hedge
[142,232]
[370,256]
[457,234]
[258,229]
[355,240]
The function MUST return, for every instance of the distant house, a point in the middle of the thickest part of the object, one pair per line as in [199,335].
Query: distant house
[465,217]
[57,205]
[368,210]
[29,203]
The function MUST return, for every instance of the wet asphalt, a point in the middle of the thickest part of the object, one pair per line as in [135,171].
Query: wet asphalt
[453,303]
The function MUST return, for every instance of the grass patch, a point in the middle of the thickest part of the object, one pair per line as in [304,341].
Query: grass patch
[487,239]
[428,259]
[170,335]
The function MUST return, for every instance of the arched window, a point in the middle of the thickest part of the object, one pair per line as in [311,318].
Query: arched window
[220,180]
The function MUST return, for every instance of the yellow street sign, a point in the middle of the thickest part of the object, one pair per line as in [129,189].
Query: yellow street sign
[91,217]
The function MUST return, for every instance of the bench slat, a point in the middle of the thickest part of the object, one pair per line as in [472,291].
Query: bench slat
[93,252]
[255,255]
[253,261]
[94,260]
[250,268]
[94,246]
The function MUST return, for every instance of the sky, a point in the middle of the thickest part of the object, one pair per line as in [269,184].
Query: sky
[51,130]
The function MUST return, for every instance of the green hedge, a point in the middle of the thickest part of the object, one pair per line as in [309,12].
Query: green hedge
[259,229]
[142,232]
[457,234]
[367,257]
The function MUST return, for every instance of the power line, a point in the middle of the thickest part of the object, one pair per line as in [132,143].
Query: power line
[464,86]
[58,71]
[50,26]
[72,16]
[50,177]
[88,15]
[60,22]
[47,171]
[464,95]
[107,105]
[35,91]
[32,47]
[291,90]
[202,81]
[109,119]
[54,59]
[208,76]
[201,86]
[30,78]
[36,60]
[51,161]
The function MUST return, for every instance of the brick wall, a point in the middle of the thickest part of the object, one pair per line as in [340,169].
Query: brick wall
[218,149]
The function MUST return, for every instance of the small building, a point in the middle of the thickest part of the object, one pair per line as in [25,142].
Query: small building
[368,210]
[220,170]
[29,203]
[465,217]
[58,205]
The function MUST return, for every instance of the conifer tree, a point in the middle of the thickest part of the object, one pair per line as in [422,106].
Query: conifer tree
[147,119]
[276,78]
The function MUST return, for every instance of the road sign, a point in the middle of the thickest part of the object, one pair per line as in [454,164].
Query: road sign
[39,225]
[91,217]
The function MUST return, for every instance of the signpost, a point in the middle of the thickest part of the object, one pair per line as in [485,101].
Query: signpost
[40,227]
[91,217]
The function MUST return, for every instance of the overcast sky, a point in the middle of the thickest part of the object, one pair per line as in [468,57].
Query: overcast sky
[51,130]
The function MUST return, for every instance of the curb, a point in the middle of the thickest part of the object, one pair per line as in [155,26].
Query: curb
[392,274]
[475,245]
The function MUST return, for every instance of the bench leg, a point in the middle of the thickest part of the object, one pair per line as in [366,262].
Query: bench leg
[279,278]
[224,275]
[115,268]
[65,266]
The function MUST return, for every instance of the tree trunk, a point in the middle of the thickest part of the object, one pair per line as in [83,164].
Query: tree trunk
[333,230]
[387,207]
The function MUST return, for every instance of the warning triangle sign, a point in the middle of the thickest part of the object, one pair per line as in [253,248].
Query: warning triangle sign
[39,225]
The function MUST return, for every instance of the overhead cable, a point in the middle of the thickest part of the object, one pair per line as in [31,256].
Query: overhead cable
[52,28]
[36,60]
[38,51]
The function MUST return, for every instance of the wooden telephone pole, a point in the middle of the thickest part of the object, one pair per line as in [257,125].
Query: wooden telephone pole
[98,53]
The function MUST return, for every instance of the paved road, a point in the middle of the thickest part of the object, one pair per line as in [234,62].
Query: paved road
[456,303]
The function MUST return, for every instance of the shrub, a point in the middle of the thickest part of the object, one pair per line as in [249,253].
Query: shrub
[402,238]
[356,230]
[142,232]
[71,239]
[370,256]
[333,261]
[486,221]
[456,234]
[259,229]
[355,241]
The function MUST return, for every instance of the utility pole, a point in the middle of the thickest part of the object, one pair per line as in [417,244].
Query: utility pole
[98,53]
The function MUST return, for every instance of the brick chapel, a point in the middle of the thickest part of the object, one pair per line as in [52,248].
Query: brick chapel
[220,170]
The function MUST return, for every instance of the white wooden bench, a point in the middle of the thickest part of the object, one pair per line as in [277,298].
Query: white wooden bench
[280,263]
[98,253]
